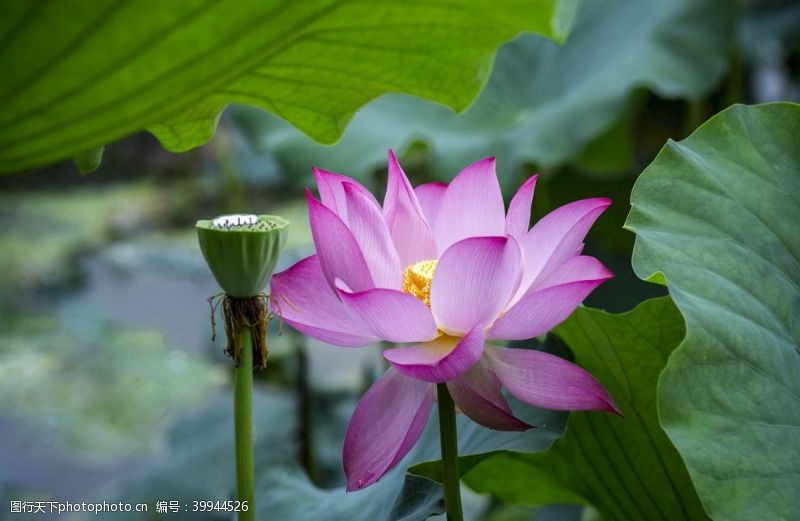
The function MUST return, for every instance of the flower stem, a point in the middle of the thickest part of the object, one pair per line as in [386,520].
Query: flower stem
[243,419]
[448,436]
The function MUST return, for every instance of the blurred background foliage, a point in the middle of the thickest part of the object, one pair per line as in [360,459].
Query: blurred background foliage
[109,383]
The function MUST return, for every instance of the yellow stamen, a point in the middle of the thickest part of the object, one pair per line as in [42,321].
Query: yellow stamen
[417,280]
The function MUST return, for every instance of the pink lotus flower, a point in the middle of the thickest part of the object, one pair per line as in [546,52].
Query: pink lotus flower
[443,267]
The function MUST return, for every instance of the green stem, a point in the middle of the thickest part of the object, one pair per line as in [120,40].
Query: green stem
[448,436]
[243,418]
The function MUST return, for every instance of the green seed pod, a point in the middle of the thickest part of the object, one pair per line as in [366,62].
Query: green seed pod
[241,250]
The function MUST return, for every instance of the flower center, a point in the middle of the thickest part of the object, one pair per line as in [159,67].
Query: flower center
[417,280]
[231,221]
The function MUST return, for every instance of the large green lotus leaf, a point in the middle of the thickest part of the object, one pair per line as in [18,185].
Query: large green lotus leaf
[78,74]
[626,468]
[544,102]
[716,217]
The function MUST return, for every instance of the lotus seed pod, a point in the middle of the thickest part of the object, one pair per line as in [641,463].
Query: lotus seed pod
[241,250]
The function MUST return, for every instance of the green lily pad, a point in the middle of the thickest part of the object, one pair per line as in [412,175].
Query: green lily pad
[78,74]
[716,219]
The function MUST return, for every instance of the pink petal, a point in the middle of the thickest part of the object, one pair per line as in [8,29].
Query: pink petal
[387,422]
[430,200]
[473,282]
[303,299]
[539,311]
[331,191]
[545,380]
[392,315]
[580,267]
[477,394]
[518,219]
[439,360]
[557,237]
[339,253]
[369,229]
[472,206]
[410,232]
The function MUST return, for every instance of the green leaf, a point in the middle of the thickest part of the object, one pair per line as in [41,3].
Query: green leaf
[78,74]
[625,467]
[716,217]
[544,102]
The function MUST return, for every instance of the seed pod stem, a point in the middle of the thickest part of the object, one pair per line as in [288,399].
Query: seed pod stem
[241,252]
